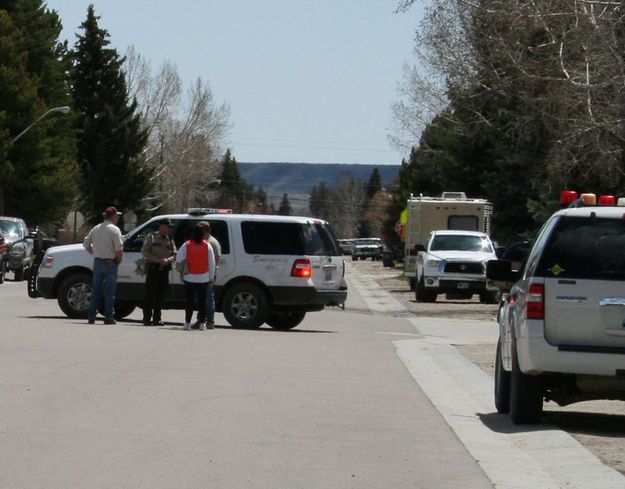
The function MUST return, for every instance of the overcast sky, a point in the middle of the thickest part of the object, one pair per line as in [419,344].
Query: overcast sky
[306,80]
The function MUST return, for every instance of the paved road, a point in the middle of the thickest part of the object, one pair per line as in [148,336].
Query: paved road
[327,405]
[454,333]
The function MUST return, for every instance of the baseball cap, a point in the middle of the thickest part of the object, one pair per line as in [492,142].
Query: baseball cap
[111,211]
[165,221]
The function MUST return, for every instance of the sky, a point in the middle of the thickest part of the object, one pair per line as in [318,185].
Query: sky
[308,81]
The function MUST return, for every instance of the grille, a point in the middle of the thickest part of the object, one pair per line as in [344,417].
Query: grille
[464,267]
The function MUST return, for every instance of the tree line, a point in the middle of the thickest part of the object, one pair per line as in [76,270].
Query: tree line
[514,101]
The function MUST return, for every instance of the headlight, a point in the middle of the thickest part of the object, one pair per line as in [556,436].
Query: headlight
[432,263]
[47,262]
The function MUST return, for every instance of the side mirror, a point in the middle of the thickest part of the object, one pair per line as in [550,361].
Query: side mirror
[419,247]
[500,272]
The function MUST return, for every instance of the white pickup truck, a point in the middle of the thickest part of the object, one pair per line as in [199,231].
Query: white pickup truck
[454,263]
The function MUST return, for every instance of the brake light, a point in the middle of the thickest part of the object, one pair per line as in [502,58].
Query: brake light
[536,302]
[301,268]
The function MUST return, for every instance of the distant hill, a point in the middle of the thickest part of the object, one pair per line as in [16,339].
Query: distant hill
[297,179]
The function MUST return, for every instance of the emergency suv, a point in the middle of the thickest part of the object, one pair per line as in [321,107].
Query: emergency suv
[273,269]
[562,326]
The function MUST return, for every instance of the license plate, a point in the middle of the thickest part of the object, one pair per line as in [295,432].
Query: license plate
[462,285]
[328,274]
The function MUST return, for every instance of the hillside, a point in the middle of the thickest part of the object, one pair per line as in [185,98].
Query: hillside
[297,179]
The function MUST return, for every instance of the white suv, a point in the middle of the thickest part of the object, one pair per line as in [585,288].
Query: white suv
[273,269]
[562,326]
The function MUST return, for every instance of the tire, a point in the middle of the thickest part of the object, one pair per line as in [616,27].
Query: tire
[245,306]
[502,384]
[424,295]
[489,297]
[284,321]
[123,309]
[526,394]
[74,294]
[18,274]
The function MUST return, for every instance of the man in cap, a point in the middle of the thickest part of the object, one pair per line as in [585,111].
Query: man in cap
[104,242]
[160,251]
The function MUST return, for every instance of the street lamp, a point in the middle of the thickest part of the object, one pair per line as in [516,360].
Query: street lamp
[63,110]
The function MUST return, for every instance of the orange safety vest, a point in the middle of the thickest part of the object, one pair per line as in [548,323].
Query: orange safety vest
[197,257]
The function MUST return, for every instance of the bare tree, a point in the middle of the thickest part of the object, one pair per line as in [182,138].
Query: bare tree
[185,133]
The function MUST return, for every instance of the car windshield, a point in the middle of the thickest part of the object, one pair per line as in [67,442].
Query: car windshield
[449,242]
[10,230]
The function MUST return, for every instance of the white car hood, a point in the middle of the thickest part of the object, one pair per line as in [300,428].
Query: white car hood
[478,256]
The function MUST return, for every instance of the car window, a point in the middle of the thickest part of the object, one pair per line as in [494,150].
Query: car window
[463,223]
[272,238]
[134,241]
[319,240]
[585,247]
[11,230]
[449,242]
[219,229]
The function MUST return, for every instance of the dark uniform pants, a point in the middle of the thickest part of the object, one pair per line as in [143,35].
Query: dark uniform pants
[156,283]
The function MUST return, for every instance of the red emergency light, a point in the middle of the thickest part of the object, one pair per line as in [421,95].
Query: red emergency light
[607,200]
[568,196]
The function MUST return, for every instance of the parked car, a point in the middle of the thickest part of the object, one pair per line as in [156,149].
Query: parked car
[18,256]
[346,246]
[273,269]
[562,325]
[454,263]
[367,248]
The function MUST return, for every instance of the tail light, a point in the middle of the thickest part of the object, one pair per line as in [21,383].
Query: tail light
[536,302]
[301,268]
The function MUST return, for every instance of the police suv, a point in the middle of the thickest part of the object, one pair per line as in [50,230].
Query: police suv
[273,269]
[562,325]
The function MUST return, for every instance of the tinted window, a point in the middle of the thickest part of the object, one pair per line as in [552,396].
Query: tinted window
[460,243]
[462,223]
[287,238]
[219,229]
[585,247]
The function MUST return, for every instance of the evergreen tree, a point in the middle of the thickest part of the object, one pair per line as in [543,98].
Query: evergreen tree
[260,200]
[111,144]
[374,184]
[37,171]
[321,201]
[285,208]
[234,191]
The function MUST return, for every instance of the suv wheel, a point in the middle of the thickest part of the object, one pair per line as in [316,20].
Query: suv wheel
[245,306]
[285,320]
[489,297]
[502,384]
[74,295]
[18,274]
[526,394]
[123,309]
[424,295]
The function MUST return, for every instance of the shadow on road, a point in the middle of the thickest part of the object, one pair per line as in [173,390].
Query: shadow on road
[581,423]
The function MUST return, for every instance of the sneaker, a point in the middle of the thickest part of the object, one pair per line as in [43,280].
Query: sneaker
[158,323]
[91,320]
[110,321]
[196,325]
[202,326]
[147,323]
[210,325]
[187,326]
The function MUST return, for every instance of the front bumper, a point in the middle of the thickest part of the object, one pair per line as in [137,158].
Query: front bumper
[458,283]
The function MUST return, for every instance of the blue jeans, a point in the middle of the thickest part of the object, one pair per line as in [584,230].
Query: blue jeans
[104,282]
[210,304]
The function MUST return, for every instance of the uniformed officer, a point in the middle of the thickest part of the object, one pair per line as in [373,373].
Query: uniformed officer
[159,250]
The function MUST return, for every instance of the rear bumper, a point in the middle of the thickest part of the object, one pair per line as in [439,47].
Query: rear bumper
[537,356]
[306,298]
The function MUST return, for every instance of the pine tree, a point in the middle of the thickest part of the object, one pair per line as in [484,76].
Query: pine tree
[321,201]
[285,208]
[37,171]
[111,144]
[234,191]
[374,184]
